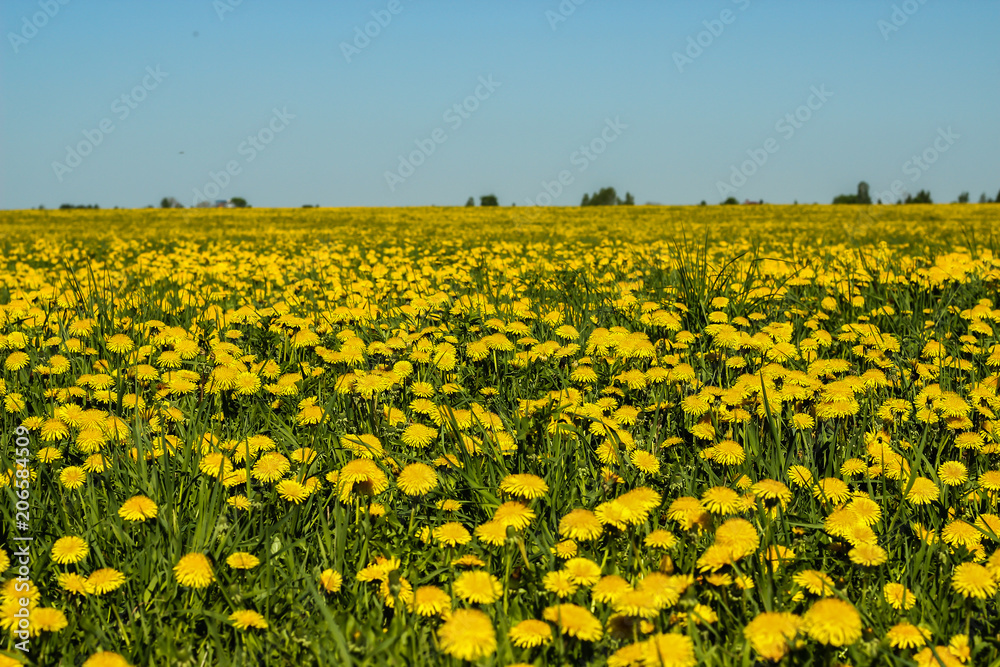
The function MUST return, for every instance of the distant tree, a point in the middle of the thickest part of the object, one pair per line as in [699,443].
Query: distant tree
[239,202]
[603,197]
[628,201]
[862,196]
[488,200]
[983,199]
[730,201]
[471,201]
[963,198]
[703,203]
[997,200]
[922,197]
[170,202]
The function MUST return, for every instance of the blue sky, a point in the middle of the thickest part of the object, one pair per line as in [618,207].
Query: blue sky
[263,100]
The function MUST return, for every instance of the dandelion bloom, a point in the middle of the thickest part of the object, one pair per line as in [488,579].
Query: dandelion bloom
[46,619]
[247,618]
[418,435]
[868,554]
[241,560]
[973,580]
[833,621]
[270,467]
[953,473]
[73,583]
[575,621]
[814,581]
[331,580]
[194,570]
[492,533]
[120,343]
[514,514]
[524,486]
[478,587]
[417,479]
[72,477]
[939,657]
[530,633]
[669,650]
[137,508]
[468,635]
[923,491]
[560,582]
[106,659]
[581,525]
[292,491]
[660,539]
[71,549]
[452,534]
[430,601]
[722,500]
[770,633]
[104,580]
[907,635]
[361,476]
[583,571]
[899,596]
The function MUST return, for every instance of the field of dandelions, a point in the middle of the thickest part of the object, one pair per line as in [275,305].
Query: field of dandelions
[659,436]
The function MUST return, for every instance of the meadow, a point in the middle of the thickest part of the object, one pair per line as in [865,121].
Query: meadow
[658,436]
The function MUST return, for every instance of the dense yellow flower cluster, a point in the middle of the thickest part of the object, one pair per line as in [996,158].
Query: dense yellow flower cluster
[646,435]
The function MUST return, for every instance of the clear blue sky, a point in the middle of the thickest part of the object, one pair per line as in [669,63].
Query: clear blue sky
[680,127]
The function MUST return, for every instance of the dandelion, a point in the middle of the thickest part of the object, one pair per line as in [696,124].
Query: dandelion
[331,580]
[899,596]
[524,486]
[417,479]
[530,633]
[833,621]
[580,525]
[138,508]
[72,477]
[574,621]
[771,633]
[241,560]
[104,580]
[244,619]
[468,635]
[953,473]
[106,659]
[194,570]
[906,635]
[292,491]
[452,534]
[71,549]
[973,580]
[478,587]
